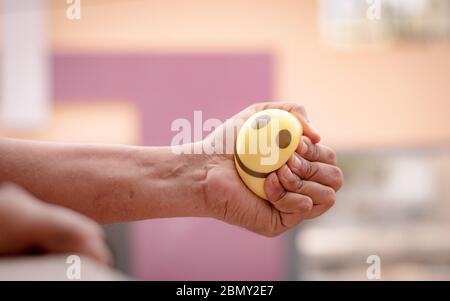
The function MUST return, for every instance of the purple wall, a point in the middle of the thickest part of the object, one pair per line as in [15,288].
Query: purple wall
[166,87]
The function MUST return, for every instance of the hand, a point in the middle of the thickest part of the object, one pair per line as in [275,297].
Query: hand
[304,188]
[28,225]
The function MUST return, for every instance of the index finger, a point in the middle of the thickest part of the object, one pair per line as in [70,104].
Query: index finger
[299,112]
[316,152]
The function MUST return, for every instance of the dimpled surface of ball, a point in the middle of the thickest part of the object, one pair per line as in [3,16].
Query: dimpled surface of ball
[264,143]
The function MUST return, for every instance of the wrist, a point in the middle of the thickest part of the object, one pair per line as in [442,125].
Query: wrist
[174,184]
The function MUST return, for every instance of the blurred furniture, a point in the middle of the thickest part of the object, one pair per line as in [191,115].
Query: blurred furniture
[395,204]
[53,268]
[353,22]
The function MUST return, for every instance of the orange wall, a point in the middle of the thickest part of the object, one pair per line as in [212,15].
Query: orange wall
[357,98]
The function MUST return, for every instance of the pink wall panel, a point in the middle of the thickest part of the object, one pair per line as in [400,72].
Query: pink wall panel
[166,87]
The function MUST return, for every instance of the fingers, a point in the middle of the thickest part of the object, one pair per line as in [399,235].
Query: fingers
[27,224]
[298,111]
[316,152]
[323,197]
[325,174]
[65,231]
[302,190]
[285,201]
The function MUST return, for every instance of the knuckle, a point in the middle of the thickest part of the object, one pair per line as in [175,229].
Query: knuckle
[282,176]
[277,227]
[306,140]
[299,183]
[305,207]
[295,219]
[315,152]
[340,180]
[273,231]
[295,164]
[332,157]
[94,229]
[337,178]
[270,233]
[312,151]
[278,195]
[293,181]
[330,198]
[255,106]
[87,231]
[13,192]
[83,234]
[9,187]
[288,105]
[299,108]
[69,236]
[309,169]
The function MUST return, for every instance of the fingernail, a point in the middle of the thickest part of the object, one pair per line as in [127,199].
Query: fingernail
[273,178]
[304,148]
[297,162]
[290,173]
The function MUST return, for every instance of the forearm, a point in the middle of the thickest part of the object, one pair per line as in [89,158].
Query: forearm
[107,183]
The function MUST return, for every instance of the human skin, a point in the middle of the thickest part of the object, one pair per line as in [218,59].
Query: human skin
[30,226]
[111,183]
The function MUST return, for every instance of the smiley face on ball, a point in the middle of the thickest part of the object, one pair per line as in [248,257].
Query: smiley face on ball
[264,144]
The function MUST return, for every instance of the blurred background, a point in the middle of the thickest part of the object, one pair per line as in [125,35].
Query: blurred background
[373,75]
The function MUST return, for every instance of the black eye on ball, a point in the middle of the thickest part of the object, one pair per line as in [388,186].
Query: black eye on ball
[260,122]
[284,138]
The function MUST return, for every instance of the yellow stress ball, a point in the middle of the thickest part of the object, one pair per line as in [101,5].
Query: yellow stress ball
[264,143]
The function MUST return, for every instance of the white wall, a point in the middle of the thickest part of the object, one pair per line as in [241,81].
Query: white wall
[25,64]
